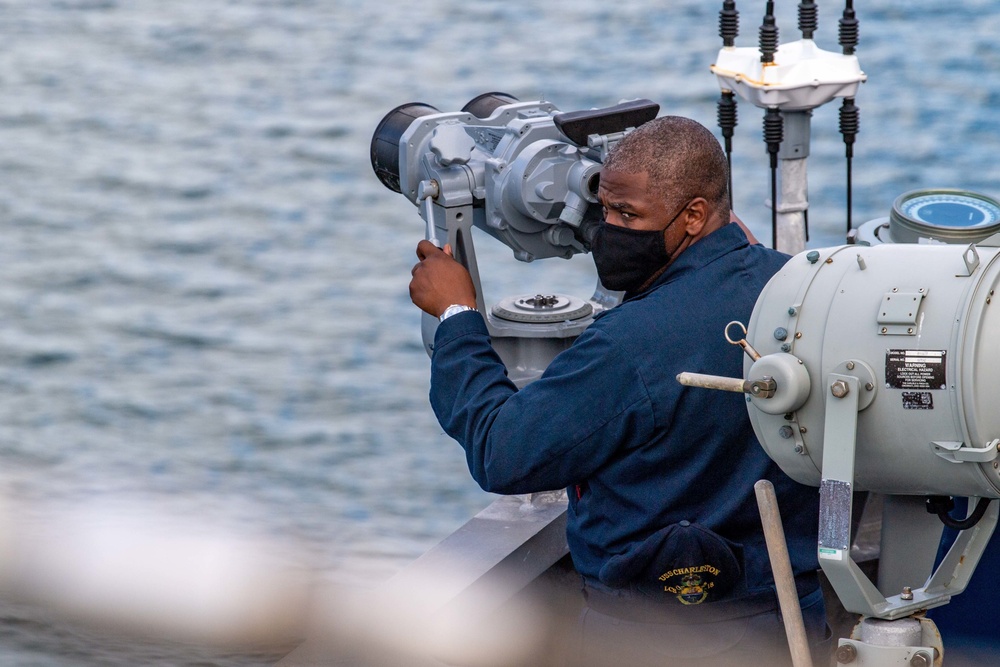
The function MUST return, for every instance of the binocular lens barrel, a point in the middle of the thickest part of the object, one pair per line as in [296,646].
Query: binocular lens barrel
[483,106]
[385,141]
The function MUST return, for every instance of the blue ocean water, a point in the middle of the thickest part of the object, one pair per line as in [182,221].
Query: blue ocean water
[203,302]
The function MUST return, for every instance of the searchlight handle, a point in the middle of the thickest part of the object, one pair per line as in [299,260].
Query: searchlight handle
[765,387]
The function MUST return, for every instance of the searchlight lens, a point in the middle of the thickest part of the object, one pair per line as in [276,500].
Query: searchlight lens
[952,216]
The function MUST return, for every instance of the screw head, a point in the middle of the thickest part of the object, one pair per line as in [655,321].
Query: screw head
[920,659]
[846,653]
[839,389]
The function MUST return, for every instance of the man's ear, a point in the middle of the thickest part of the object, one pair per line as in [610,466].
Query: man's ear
[696,216]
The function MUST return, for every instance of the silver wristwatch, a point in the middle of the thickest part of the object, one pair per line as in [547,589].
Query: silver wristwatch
[454,309]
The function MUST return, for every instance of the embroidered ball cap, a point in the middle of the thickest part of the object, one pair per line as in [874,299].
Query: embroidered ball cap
[685,563]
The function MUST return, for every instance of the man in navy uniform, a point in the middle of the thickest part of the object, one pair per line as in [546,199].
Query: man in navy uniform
[662,524]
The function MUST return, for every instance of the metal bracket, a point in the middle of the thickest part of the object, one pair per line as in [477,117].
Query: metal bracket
[855,590]
[957,452]
[971,259]
[899,312]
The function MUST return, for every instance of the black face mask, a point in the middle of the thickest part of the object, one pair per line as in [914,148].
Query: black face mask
[627,258]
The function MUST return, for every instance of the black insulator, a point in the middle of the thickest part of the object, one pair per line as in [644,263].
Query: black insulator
[768,35]
[850,120]
[728,122]
[808,21]
[850,125]
[774,132]
[729,23]
[848,33]
[727,114]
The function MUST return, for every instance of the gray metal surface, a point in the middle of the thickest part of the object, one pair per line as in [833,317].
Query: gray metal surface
[933,379]
[910,538]
[898,341]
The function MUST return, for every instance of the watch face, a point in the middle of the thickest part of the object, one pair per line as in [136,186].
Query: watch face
[951,211]
[453,310]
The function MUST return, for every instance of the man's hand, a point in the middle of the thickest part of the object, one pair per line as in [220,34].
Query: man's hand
[439,281]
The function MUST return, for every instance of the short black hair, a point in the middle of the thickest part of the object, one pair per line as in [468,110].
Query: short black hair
[683,158]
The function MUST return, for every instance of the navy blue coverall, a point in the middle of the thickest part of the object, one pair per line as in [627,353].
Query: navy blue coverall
[636,450]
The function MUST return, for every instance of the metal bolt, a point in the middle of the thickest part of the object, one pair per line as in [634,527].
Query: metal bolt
[920,659]
[813,257]
[798,334]
[846,653]
[850,365]
[786,347]
[799,449]
[829,260]
[884,329]
[791,310]
[781,333]
[803,429]
[996,465]
[840,389]
[909,330]
[907,593]
[869,386]
[785,431]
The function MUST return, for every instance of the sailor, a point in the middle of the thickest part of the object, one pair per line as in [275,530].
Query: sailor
[663,525]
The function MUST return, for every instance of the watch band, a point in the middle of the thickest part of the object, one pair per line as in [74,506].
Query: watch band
[454,309]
